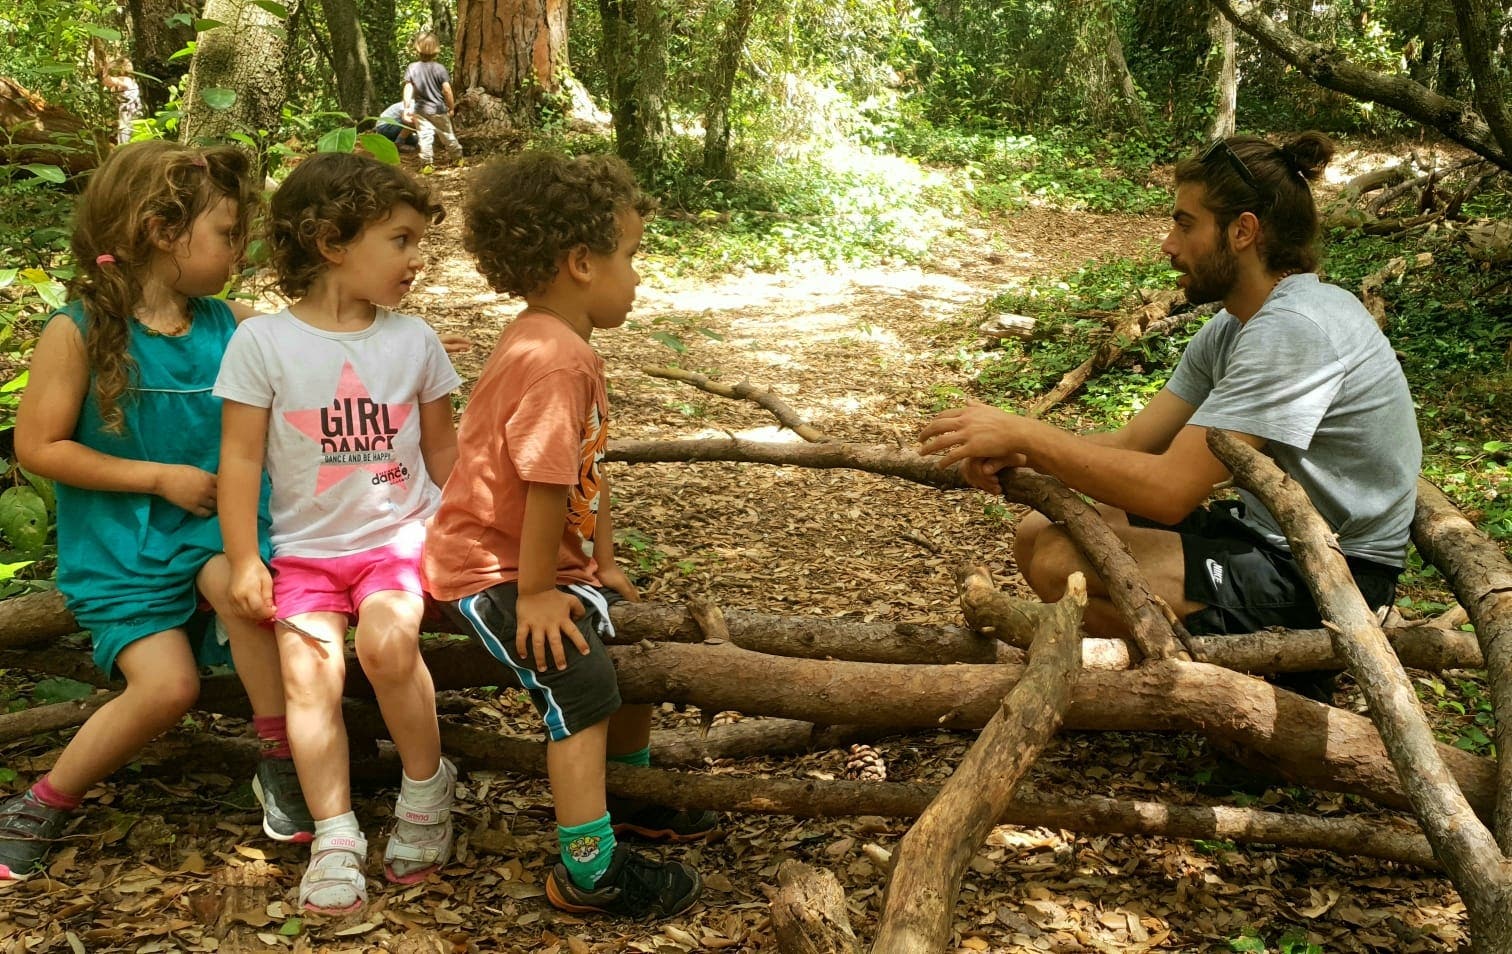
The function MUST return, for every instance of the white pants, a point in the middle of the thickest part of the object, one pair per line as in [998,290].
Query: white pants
[428,125]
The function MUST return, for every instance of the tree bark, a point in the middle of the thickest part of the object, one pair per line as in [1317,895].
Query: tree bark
[349,55]
[513,50]
[246,56]
[153,43]
[1467,850]
[1475,40]
[1226,87]
[1326,67]
[33,130]
[716,152]
[634,59]
[1481,578]
[384,66]
[744,391]
[808,912]
[930,861]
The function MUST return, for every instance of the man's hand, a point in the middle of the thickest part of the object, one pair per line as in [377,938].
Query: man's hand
[615,579]
[976,431]
[982,472]
[187,487]
[251,591]
[542,619]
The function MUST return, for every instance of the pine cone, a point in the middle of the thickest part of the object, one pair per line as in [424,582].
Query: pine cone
[865,764]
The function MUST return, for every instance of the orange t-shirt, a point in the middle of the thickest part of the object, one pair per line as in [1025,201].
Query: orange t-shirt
[539,414]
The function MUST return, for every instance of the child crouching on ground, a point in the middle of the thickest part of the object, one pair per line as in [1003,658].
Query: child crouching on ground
[521,551]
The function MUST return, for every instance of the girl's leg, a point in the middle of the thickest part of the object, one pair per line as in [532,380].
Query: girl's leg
[162,682]
[388,646]
[254,648]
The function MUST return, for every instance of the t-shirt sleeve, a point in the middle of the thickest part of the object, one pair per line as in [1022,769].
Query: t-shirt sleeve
[545,433]
[1193,378]
[1282,377]
[440,378]
[243,374]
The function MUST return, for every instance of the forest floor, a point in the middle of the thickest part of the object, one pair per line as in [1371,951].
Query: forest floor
[170,858]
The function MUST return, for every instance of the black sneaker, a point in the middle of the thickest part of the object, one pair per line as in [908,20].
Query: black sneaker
[27,830]
[285,815]
[661,822]
[633,886]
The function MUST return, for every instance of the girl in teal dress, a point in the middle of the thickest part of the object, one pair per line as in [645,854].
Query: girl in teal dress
[119,413]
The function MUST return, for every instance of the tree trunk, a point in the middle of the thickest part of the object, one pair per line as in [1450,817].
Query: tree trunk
[349,55]
[384,65]
[444,21]
[1485,74]
[1227,84]
[634,59]
[34,130]
[154,41]
[245,57]
[513,50]
[716,155]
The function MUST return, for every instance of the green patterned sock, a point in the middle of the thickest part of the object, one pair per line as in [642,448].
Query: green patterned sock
[640,757]
[587,850]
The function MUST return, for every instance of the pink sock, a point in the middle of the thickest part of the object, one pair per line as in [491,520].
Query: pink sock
[43,791]
[274,733]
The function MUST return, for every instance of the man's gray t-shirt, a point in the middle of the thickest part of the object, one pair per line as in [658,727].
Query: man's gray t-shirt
[1312,374]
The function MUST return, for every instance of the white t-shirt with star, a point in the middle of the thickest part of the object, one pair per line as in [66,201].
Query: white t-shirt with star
[343,450]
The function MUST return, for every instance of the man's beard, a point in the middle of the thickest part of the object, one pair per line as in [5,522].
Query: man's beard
[1212,277]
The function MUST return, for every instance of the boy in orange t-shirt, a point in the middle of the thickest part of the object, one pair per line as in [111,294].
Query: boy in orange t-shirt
[521,551]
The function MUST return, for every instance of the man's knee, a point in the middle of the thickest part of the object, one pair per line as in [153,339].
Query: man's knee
[1054,558]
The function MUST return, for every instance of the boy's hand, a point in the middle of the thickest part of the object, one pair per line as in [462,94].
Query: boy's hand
[187,487]
[454,343]
[542,619]
[615,579]
[251,590]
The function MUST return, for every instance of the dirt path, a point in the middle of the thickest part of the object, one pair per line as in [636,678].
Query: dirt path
[860,354]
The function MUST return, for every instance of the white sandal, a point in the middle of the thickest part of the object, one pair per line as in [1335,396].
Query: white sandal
[422,838]
[334,883]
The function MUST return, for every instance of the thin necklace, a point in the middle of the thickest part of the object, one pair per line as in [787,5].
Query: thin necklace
[177,331]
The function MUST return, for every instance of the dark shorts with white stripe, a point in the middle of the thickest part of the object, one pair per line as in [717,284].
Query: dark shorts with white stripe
[569,700]
[1248,583]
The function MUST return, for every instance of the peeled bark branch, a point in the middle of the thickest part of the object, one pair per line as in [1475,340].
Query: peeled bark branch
[745,391]
[929,863]
[1467,850]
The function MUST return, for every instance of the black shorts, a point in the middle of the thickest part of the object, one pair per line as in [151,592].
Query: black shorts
[1246,582]
[569,700]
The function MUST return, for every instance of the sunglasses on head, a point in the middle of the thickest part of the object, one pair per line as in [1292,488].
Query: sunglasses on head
[1220,148]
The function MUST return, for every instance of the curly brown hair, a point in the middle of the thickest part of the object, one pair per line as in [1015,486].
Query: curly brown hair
[327,201]
[526,211]
[143,193]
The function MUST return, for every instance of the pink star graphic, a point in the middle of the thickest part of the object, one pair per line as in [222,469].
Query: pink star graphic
[352,427]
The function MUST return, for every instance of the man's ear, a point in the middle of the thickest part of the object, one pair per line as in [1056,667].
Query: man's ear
[579,263]
[1244,231]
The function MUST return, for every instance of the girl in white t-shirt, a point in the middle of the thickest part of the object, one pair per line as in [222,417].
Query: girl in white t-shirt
[348,405]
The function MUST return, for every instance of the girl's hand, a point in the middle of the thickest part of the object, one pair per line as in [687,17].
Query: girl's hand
[251,591]
[542,619]
[187,487]
[615,579]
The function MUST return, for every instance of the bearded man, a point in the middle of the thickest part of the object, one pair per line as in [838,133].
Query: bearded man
[1290,365]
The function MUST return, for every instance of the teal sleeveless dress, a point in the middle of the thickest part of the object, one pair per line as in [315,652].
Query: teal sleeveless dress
[127,562]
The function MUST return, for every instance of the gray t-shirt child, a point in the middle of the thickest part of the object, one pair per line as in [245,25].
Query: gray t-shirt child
[428,76]
[1312,374]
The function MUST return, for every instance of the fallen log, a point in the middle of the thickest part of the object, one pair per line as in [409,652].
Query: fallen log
[1465,847]
[1370,287]
[929,863]
[34,130]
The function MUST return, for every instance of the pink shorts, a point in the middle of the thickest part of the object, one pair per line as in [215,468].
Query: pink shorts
[340,584]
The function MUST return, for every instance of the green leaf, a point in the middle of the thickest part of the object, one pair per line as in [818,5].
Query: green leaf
[1247,943]
[186,50]
[41,485]
[8,275]
[104,33]
[46,172]
[7,775]
[59,689]
[8,570]
[710,333]
[381,147]
[217,97]
[1492,447]
[179,19]
[670,340]
[292,927]
[337,140]
[23,519]
[277,9]
[201,25]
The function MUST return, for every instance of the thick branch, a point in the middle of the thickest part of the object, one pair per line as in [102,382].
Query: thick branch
[881,459]
[1151,624]
[929,863]
[808,912]
[1475,34]
[1330,69]
[1481,579]
[1465,847]
[745,391]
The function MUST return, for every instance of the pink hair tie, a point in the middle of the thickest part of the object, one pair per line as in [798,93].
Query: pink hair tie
[106,259]
[200,161]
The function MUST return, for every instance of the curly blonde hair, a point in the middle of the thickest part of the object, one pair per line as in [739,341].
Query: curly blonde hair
[143,193]
[328,200]
[526,211]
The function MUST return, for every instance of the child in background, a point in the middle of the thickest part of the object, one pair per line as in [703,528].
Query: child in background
[349,406]
[521,551]
[119,413]
[428,95]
